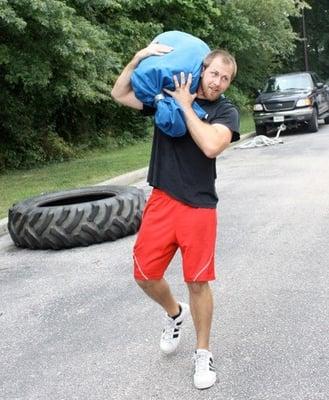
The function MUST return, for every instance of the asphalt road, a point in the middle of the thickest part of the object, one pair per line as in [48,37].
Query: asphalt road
[73,325]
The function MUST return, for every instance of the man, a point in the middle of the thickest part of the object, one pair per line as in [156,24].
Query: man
[181,211]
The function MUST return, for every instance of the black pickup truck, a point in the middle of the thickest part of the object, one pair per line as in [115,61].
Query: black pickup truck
[294,99]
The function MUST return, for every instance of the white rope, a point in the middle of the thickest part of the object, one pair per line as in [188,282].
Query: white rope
[261,140]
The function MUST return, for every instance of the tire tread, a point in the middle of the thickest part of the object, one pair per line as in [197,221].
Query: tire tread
[81,224]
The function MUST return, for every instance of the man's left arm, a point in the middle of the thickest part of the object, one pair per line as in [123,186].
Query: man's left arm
[211,139]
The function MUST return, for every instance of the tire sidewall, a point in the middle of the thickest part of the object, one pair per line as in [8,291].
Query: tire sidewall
[116,215]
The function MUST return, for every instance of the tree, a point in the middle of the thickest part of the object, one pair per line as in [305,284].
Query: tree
[59,59]
[50,58]
[317,38]
[261,36]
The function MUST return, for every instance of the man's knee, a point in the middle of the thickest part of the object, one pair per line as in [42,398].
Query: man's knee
[197,288]
[146,284]
[142,284]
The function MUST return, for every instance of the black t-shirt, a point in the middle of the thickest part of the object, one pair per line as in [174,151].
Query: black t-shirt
[180,168]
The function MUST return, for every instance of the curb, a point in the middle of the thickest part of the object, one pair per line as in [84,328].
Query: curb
[125,179]
[3,226]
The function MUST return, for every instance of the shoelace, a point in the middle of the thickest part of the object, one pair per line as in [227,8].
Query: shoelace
[169,328]
[201,362]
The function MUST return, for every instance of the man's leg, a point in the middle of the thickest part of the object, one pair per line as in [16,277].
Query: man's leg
[201,304]
[155,247]
[196,238]
[159,291]
[176,313]
[196,235]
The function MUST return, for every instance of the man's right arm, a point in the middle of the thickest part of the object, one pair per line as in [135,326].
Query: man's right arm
[122,91]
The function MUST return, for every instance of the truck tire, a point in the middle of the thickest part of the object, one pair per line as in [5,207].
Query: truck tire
[313,125]
[77,217]
[261,130]
[326,120]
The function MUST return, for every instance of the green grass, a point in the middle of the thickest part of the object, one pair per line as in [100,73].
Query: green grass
[247,123]
[97,166]
[94,167]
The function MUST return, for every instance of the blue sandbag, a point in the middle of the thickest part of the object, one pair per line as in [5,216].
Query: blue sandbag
[156,72]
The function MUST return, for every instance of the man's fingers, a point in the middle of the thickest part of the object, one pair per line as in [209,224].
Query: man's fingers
[189,81]
[159,49]
[159,53]
[183,82]
[182,78]
[176,83]
[168,91]
[165,49]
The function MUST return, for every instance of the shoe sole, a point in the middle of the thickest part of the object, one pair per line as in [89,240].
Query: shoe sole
[206,387]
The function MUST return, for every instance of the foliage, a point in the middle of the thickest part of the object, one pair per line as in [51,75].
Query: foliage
[44,59]
[260,35]
[317,34]
[59,60]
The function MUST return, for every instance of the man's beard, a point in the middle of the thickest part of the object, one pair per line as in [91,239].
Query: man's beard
[211,93]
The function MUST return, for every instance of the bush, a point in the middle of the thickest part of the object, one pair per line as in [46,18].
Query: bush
[238,98]
[55,148]
[59,60]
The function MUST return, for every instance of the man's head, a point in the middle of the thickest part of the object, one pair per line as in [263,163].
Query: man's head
[219,70]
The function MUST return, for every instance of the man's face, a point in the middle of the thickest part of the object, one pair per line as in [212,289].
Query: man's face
[215,79]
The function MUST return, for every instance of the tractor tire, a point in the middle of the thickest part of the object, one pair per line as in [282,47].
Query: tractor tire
[78,217]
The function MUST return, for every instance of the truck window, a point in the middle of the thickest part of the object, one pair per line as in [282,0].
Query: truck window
[289,82]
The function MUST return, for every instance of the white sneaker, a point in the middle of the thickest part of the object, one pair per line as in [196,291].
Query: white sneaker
[204,375]
[171,333]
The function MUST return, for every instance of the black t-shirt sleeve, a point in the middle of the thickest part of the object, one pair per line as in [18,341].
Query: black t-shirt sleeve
[229,117]
[147,111]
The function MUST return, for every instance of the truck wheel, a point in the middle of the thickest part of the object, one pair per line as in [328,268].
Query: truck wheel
[77,217]
[313,125]
[326,120]
[260,130]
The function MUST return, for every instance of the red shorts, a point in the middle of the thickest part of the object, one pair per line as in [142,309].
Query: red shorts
[168,224]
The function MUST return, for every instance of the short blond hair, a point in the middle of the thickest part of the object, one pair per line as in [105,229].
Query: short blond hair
[225,56]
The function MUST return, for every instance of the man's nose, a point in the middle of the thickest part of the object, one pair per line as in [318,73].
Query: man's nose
[218,81]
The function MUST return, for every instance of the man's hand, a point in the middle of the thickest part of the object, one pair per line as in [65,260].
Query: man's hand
[212,139]
[153,49]
[182,91]
[122,91]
